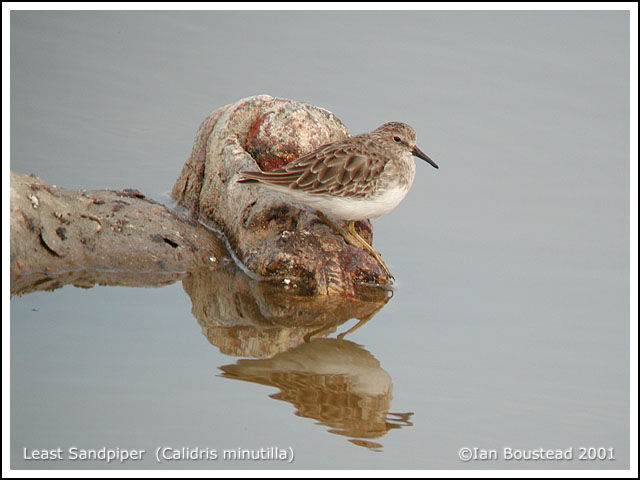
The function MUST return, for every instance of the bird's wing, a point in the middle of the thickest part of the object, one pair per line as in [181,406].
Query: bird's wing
[334,169]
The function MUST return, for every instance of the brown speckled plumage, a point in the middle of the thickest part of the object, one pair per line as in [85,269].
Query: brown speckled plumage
[362,177]
[354,168]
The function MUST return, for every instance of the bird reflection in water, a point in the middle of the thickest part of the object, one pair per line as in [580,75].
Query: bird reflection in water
[332,380]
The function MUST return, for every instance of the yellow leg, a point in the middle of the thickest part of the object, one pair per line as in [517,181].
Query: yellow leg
[352,237]
[331,327]
[361,321]
[368,248]
[341,231]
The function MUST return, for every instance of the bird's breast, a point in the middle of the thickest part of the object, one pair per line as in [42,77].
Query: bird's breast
[398,174]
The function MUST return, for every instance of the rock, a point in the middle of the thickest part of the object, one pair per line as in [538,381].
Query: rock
[272,237]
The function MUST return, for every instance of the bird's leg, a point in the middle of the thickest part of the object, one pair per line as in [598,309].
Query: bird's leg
[368,248]
[361,322]
[341,231]
[331,327]
[353,238]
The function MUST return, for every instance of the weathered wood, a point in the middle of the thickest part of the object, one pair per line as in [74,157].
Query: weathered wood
[55,230]
[271,236]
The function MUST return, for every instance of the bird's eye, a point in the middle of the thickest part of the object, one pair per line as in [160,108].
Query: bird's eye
[396,139]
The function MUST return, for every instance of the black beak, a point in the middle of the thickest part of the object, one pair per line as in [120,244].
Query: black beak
[420,154]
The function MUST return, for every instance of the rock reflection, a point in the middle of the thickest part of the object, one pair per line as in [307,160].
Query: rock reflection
[334,381]
[23,284]
[248,318]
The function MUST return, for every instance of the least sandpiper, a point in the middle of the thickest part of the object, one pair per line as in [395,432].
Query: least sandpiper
[362,177]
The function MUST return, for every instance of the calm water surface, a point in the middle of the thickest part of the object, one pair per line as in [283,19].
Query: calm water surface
[508,326]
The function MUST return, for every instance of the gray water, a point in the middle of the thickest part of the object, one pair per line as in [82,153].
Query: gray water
[509,323]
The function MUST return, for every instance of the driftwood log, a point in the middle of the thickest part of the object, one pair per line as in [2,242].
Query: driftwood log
[269,235]
[281,314]
[84,237]
[61,236]
[76,236]
[107,237]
